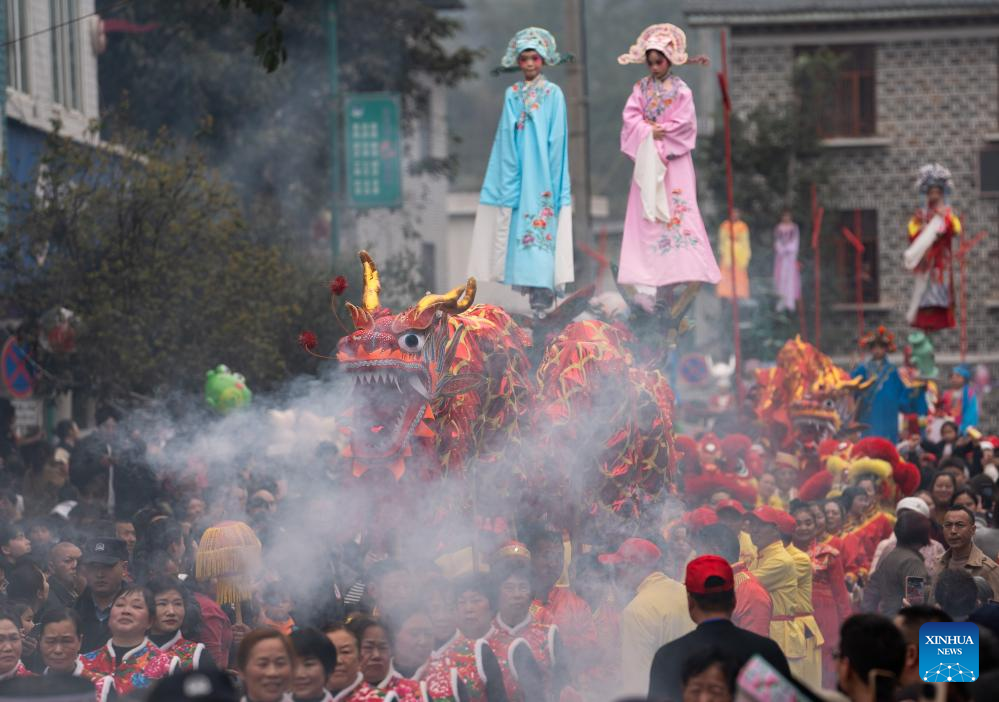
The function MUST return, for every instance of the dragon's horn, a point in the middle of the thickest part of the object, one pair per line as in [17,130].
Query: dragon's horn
[360,316]
[457,300]
[372,286]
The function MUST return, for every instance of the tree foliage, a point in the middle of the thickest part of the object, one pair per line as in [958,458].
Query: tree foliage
[148,247]
[776,150]
[272,133]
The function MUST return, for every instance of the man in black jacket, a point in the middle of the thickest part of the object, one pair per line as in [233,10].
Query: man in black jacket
[710,600]
[103,567]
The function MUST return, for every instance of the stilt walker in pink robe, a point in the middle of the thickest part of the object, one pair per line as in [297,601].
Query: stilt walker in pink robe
[787,277]
[664,243]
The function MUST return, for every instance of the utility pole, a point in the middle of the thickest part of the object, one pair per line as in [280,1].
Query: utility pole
[577,105]
[336,189]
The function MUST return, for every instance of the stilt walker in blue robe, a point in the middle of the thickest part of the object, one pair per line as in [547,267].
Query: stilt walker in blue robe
[523,226]
[888,394]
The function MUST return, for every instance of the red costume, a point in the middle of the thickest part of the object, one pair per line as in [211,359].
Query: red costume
[189,652]
[18,671]
[753,607]
[861,538]
[405,689]
[539,638]
[830,601]
[574,619]
[935,306]
[361,691]
[458,659]
[137,669]
[216,630]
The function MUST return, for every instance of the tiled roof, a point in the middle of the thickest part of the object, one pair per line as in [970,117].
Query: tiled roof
[757,11]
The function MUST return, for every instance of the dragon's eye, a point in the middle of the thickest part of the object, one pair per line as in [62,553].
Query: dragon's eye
[411,342]
[829,404]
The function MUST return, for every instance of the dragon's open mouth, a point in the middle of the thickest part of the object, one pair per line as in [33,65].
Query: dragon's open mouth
[819,422]
[390,400]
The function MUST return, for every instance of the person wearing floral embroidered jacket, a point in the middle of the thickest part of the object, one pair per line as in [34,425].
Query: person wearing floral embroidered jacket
[173,610]
[128,661]
[530,653]
[665,242]
[10,647]
[463,660]
[346,682]
[375,646]
[523,226]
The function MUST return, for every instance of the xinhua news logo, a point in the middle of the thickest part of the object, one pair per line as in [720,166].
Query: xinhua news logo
[948,652]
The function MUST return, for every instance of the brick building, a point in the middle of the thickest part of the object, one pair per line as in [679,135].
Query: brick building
[918,82]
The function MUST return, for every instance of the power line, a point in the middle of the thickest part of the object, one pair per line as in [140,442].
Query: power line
[95,13]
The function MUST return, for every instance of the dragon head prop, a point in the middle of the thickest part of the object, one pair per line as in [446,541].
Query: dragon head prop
[394,362]
[411,368]
[807,394]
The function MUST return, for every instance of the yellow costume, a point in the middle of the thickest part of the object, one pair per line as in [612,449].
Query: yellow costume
[657,615]
[747,550]
[742,256]
[808,668]
[778,573]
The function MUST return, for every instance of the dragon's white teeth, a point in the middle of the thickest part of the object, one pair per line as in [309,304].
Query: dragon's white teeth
[417,384]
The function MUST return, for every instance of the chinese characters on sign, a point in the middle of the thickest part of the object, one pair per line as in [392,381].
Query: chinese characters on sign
[373,150]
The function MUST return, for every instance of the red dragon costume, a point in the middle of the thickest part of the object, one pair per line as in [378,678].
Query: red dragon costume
[446,388]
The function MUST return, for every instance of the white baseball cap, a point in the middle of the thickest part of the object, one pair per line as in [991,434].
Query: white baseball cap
[915,504]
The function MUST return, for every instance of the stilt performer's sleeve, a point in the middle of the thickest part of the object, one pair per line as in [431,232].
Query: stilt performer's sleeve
[681,126]
[634,128]
[501,187]
[500,195]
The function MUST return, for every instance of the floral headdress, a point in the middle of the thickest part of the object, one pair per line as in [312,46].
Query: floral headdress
[934,175]
[541,40]
[878,336]
[667,39]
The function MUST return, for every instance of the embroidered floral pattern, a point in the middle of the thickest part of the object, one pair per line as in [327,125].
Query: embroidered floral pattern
[658,98]
[676,235]
[532,95]
[538,226]
[461,658]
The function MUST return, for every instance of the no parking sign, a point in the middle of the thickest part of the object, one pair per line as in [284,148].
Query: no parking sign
[16,373]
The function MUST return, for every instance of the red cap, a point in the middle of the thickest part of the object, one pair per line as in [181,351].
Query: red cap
[771,515]
[699,518]
[730,504]
[633,552]
[702,568]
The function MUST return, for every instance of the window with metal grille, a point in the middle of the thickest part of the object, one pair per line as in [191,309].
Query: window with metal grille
[848,107]
[17,45]
[988,171]
[864,225]
[66,89]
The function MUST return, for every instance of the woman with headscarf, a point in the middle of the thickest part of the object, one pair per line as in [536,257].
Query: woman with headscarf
[523,226]
[664,241]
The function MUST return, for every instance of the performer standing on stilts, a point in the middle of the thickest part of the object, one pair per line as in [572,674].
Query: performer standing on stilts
[523,226]
[665,243]
[931,231]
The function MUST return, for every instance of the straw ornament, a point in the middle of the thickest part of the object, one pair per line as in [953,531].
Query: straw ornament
[229,552]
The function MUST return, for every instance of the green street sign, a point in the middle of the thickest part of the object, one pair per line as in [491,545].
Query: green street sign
[373,150]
